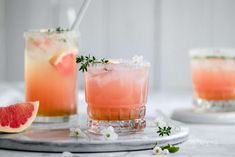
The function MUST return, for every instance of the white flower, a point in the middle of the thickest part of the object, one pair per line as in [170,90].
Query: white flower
[76,132]
[159,122]
[67,154]
[157,150]
[165,151]
[109,133]
[137,59]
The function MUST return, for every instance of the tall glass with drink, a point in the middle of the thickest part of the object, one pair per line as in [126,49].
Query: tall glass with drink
[50,73]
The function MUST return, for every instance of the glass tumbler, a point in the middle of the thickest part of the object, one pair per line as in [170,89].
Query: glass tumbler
[213,78]
[116,95]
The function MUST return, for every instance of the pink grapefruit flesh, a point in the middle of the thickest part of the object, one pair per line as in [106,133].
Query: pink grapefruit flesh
[64,62]
[17,117]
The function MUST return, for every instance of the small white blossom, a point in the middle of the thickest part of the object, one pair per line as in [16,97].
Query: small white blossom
[165,151]
[67,154]
[76,132]
[137,59]
[109,133]
[157,150]
[159,122]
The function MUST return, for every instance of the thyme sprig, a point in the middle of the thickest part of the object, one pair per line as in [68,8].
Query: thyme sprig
[164,131]
[86,61]
[58,30]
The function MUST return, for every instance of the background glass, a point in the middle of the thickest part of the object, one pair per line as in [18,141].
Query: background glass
[213,76]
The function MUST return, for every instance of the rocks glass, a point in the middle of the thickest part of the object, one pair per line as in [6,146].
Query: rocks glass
[116,95]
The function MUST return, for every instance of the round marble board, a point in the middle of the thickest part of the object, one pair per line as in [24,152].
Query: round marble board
[56,138]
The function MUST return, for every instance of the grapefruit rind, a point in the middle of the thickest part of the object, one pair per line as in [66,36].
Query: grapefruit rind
[8,129]
[56,58]
[59,55]
[63,62]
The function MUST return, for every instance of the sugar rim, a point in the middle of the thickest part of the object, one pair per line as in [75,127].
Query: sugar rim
[210,52]
[44,32]
[121,61]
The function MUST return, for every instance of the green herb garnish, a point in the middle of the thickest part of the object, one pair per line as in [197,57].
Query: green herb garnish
[171,148]
[86,61]
[164,131]
[58,30]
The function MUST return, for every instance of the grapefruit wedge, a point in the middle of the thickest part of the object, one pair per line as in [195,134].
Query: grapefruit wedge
[17,117]
[63,62]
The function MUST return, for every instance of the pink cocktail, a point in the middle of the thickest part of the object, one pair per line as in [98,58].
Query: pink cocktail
[51,74]
[116,93]
[213,76]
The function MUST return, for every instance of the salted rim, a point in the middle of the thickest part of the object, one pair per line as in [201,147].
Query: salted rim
[38,32]
[212,52]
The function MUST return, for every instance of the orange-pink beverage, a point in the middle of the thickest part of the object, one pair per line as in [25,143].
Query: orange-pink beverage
[213,75]
[117,91]
[50,71]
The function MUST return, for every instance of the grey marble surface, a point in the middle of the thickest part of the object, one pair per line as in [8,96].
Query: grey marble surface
[56,138]
[204,140]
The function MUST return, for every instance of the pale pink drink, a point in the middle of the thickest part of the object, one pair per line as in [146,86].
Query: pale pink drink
[213,77]
[116,94]
[50,73]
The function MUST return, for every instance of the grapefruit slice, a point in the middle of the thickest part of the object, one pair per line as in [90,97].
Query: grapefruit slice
[63,62]
[17,117]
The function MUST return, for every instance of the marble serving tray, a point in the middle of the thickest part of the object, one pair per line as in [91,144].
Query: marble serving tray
[56,138]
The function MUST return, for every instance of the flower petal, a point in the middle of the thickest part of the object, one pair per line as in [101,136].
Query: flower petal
[157,150]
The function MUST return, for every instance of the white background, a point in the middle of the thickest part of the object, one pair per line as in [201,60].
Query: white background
[162,31]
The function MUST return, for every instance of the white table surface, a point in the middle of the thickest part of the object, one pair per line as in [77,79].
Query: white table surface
[204,140]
